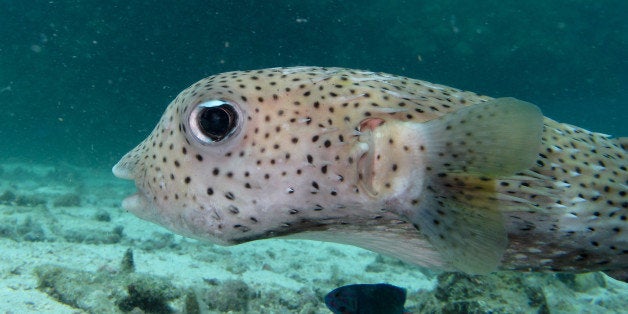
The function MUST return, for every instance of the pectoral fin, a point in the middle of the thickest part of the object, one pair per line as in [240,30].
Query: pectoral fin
[464,152]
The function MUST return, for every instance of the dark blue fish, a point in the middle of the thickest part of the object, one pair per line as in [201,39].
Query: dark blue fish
[379,298]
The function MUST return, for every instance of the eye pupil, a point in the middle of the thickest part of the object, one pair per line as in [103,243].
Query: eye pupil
[217,122]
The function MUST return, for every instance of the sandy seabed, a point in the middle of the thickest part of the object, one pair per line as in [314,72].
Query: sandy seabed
[63,237]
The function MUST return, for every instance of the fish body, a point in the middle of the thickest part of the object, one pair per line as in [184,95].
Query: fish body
[379,298]
[433,175]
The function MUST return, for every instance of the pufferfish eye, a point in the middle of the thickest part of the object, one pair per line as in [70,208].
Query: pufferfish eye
[213,121]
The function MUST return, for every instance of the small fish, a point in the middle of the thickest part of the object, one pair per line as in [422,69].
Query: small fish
[430,174]
[379,298]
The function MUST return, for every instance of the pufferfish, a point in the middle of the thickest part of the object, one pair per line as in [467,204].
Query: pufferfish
[430,174]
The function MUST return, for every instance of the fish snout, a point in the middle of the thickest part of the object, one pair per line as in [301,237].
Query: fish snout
[125,168]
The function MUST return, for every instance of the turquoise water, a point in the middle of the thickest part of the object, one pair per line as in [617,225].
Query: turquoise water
[82,82]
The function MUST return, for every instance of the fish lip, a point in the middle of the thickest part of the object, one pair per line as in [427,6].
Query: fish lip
[132,202]
[122,171]
[129,200]
[135,203]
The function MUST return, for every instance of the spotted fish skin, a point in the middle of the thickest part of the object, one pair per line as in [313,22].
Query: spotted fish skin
[376,160]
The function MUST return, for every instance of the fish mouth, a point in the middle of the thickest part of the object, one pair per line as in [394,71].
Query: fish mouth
[125,169]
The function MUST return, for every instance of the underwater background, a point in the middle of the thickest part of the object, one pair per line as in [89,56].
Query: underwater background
[82,82]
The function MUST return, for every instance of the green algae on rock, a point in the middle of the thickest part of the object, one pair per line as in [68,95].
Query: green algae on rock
[106,291]
[510,292]
[67,200]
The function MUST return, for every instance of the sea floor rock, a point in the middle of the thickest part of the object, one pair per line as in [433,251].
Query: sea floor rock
[108,291]
[512,292]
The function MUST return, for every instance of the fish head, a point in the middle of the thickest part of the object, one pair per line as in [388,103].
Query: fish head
[247,155]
